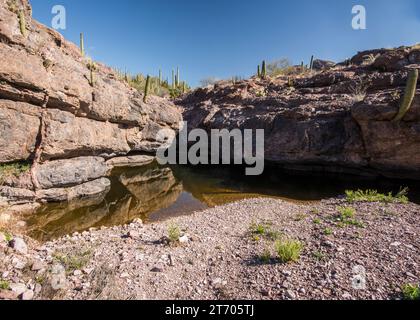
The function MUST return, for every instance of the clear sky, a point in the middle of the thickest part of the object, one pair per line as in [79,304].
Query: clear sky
[224,38]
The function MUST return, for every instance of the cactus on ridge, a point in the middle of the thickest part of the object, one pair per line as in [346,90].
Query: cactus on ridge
[410,92]
[146,89]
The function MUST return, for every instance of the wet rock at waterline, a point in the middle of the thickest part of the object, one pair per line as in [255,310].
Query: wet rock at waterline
[51,114]
[71,172]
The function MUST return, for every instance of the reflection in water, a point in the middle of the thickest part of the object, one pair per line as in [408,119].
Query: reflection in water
[155,193]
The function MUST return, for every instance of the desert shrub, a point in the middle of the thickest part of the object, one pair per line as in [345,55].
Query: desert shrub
[13,169]
[288,250]
[375,196]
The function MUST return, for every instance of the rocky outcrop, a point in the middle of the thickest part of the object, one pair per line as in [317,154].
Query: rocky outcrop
[339,119]
[51,115]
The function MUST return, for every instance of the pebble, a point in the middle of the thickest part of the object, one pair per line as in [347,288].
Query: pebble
[77,273]
[18,288]
[37,266]
[184,239]
[28,295]
[18,263]
[19,245]
[290,294]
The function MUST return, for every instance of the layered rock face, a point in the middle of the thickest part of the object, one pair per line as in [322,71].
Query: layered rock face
[337,119]
[53,116]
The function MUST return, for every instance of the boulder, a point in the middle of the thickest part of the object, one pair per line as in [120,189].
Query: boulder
[70,172]
[130,161]
[83,191]
[18,132]
[19,245]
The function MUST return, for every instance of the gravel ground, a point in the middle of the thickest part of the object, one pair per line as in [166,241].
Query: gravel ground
[220,257]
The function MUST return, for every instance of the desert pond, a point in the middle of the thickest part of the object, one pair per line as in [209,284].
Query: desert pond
[155,193]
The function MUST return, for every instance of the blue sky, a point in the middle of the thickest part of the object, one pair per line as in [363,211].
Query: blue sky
[223,38]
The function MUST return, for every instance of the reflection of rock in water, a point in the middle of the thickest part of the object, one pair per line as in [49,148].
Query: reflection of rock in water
[134,194]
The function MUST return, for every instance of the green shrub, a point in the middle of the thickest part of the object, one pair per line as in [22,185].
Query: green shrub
[174,233]
[263,230]
[375,196]
[288,250]
[12,169]
[411,292]
[4,285]
[265,257]
[347,217]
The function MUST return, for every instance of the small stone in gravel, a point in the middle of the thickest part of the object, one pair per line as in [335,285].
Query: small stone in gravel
[19,245]
[27,295]
[290,294]
[133,234]
[157,268]
[77,273]
[88,270]
[8,295]
[58,277]
[18,288]
[395,244]
[328,244]
[184,239]
[18,263]
[37,266]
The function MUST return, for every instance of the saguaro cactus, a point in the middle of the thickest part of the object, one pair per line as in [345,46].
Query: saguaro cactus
[311,66]
[263,70]
[160,77]
[92,68]
[146,89]
[22,23]
[410,92]
[259,71]
[173,79]
[177,77]
[82,45]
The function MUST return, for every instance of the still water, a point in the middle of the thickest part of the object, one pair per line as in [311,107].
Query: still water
[155,193]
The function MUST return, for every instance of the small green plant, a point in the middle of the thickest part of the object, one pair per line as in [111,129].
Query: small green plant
[174,233]
[328,231]
[317,221]
[347,217]
[72,262]
[265,257]
[318,255]
[13,170]
[299,217]
[288,250]
[375,196]
[263,230]
[346,213]
[22,23]
[4,285]
[8,236]
[146,89]
[410,92]
[411,292]
[82,45]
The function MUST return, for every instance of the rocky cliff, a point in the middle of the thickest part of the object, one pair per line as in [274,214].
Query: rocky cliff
[55,118]
[338,118]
